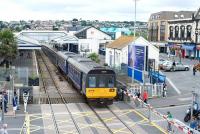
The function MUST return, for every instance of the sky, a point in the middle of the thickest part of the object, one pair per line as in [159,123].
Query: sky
[104,10]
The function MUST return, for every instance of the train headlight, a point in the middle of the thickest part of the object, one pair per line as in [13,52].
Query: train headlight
[111,90]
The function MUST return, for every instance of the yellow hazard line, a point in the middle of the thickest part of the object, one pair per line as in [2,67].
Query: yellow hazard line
[152,123]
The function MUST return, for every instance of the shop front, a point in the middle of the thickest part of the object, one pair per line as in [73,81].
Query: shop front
[188,50]
[174,49]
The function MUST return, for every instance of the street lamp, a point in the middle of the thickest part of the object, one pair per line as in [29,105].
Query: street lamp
[135,19]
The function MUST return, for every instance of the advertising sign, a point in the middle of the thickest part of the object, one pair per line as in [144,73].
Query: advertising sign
[136,61]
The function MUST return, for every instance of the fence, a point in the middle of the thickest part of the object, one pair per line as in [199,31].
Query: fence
[176,126]
[154,90]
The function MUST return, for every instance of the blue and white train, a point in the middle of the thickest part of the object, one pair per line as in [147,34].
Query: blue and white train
[95,82]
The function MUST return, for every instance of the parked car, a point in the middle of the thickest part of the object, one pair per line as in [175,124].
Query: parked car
[178,67]
[163,62]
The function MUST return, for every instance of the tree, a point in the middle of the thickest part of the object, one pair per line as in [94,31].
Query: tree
[94,57]
[8,45]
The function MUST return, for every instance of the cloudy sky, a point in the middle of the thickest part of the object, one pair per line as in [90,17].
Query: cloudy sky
[117,10]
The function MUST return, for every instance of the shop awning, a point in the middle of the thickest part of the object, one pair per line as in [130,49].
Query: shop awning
[169,45]
[188,46]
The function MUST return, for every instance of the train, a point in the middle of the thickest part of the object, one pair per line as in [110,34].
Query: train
[97,83]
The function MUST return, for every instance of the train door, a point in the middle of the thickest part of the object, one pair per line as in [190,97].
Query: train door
[84,80]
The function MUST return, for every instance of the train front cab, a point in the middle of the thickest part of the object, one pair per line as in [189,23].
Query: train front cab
[101,86]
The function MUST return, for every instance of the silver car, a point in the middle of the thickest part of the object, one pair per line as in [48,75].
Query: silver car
[178,67]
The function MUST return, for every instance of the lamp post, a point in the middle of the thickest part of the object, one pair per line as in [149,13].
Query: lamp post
[135,20]
[196,37]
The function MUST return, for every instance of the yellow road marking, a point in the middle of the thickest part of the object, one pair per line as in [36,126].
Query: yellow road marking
[133,124]
[96,124]
[153,124]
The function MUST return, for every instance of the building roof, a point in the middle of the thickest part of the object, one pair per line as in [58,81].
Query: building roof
[121,42]
[171,15]
[88,27]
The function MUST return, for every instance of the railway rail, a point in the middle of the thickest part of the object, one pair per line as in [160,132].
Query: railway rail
[45,81]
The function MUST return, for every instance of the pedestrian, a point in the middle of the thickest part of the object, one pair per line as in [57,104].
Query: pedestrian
[14,105]
[193,123]
[5,95]
[145,96]
[174,64]
[4,129]
[194,70]
[169,117]
[137,93]
[16,99]
[164,89]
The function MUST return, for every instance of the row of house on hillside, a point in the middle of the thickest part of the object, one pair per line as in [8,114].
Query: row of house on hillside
[176,32]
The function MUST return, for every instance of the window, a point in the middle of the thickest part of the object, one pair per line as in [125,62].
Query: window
[182,16]
[92,81]
[111,81]
[175,15]
[84,47]
[101,81]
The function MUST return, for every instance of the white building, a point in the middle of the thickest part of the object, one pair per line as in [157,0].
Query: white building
[92,39]
[117,51]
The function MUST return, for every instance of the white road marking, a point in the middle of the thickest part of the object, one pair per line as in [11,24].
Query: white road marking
[175,88]
[185,99]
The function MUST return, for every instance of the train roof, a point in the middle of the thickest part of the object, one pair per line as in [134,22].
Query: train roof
[66,54]
[84,64]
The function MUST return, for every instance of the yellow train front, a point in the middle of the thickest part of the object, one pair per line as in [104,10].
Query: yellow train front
[100,86]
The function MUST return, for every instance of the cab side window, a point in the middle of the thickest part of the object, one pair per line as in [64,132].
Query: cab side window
[92,81]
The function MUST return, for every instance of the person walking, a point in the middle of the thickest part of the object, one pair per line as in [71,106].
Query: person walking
[164,89]
[194,70]
[169,117]
[5,95]
[16,99]
[193,123]
[14,105]
[145,96]
[174,64]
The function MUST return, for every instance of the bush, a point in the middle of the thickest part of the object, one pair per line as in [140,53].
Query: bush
[94,57]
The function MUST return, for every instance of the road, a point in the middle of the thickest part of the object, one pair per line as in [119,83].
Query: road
[184,81]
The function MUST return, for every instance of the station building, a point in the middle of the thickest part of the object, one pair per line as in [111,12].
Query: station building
[131,53]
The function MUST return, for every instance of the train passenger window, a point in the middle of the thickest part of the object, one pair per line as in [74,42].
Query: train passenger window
[101,81]
[111,81]
[92,81]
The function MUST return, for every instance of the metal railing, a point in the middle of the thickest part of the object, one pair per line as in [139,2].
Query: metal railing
[154,90]
[161,121]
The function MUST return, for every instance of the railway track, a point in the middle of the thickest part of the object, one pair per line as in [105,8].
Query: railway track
[113,115]
[55,96]
[49,82]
